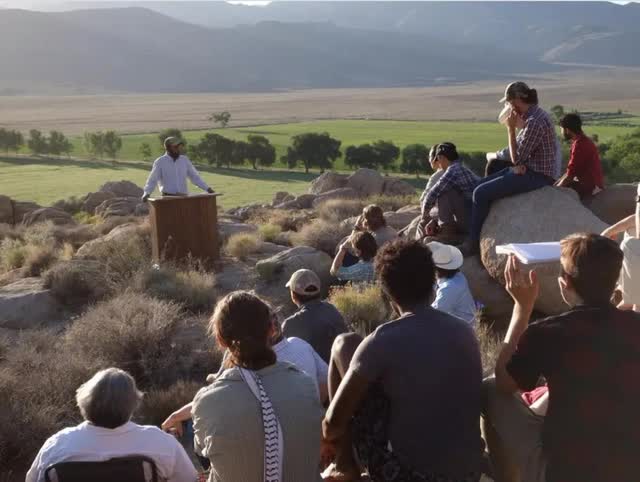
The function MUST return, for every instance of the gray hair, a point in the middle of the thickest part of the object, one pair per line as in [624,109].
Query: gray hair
[109,398]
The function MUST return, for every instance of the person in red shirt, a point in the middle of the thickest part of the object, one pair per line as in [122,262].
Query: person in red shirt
[584,172]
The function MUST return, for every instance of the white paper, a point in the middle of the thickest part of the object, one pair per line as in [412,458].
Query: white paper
[532,253]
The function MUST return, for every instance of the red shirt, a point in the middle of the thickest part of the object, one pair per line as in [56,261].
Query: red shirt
[585,166]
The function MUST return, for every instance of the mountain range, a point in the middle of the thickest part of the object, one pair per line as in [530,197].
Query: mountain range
[216,46]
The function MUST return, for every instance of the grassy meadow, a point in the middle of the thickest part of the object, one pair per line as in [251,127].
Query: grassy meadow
[47,180]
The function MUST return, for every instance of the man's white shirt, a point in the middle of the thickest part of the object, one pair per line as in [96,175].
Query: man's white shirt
[172,176]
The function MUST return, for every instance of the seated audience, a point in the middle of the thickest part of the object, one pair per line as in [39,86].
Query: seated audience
[584,171]
[532,151]
[407,398]
[260,419]
[372,221]
[365,248]
[107,402]
[437,172]
[590,359]
[452,290]
[452,195]
[317,322]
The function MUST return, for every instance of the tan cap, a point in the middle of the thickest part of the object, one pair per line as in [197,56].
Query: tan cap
[445,256]
[304,282]
[173,141]
[515,90]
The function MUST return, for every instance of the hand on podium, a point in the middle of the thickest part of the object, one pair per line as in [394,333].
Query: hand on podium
[145,198]
[210,191]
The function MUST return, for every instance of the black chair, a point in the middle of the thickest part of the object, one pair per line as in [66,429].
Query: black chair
[135,468]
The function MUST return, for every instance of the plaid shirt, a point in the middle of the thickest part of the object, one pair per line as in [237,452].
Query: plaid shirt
[457,177]
[537,142]
[361,272]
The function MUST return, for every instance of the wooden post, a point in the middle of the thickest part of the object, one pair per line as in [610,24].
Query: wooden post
[183,226]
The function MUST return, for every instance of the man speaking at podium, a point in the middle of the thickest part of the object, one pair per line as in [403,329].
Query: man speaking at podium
[172,171]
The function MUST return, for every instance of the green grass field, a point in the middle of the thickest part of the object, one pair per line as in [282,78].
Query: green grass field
[48,180]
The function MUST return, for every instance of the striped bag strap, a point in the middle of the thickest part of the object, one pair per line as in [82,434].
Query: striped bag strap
[273,440]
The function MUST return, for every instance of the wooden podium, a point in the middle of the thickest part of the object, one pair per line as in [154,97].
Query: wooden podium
[185,226]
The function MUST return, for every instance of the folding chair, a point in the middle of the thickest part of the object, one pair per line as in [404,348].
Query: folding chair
[135,468]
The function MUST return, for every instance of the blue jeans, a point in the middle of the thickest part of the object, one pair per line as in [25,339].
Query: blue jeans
[497,186]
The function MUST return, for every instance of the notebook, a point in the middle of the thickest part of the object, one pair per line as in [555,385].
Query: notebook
[532,253]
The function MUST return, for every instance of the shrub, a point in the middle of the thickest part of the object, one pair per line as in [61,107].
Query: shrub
[77,282]
[363,307]
[159,403]
[13,252]
[38,259]
[490,345]
[48,233]
[322,235]
[288,220]
[241,245]
[392,203]
[194,288]
[105,226]
[84,217]
[269,232]
[336,210]
[72,205]
[10,232]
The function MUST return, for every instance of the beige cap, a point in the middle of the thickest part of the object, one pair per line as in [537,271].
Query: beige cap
[304,282]
[515,90]
[173,141]
[446,256]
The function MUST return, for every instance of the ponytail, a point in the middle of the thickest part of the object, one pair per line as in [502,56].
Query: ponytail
[532,97]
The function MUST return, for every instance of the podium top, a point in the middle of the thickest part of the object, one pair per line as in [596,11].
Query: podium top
[174,198]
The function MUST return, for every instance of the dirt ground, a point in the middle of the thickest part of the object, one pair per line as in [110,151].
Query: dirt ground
[598,89]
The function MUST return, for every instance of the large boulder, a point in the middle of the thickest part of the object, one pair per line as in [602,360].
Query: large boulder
[280,267]
[56,216]
[22,209]
[342,193]
[228,229]
[327,181]
[118,206]
[614,203]
[547,214]
[495,299]
[122,189]
[94,199]
[366,182]
[397,187]
[6,210]
[304,201]
[400,219]
[280,196]
[26,304]
[119,234]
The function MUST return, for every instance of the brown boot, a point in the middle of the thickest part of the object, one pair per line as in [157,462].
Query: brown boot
[447,234]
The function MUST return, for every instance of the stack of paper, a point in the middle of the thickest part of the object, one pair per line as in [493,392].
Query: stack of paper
[532,253]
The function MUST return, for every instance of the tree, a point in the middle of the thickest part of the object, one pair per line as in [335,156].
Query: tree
[94,143]
[59,144]
[313,150]
[387,153]
[172,132]
[214,149]
[37,142]
[558,112]
[15,141]
[415,159]
[112,143]
[145,151]
[260,151]
[360,156]
[222,118]
[239,153]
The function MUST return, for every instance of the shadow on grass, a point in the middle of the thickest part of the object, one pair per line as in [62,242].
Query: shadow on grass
[72,162]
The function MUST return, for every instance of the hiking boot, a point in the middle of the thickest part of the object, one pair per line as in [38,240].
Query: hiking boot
[447,234]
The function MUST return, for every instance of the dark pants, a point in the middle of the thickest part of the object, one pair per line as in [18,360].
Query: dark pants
[496,165]
[500,185]
[454,209]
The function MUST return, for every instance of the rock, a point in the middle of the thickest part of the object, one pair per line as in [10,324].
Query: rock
[244,212]
[118,206]
[366,182]
[400,219]
[616,202]
[397,187]
[412,228]
[497,302]
[279,197]
[342,193]
[547,214]
[118,234]
[410,207]
[226,230]
[122,189]
[94,199]
[271,248]
[328,181]
[6,210]
[26,304]
[304,201]
[142,209]
[280,267]
[21,209]
[56,216]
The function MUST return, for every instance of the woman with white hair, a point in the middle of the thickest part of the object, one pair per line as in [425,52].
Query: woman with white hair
[107,402]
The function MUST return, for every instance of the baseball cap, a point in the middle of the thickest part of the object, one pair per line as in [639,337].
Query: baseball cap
[446,256]
[304,282]
[447,149]
[515,90]
[172,141]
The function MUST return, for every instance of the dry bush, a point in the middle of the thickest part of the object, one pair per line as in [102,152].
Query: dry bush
[48,233]
[336,210]
[269,232]
[71,205]
[107,225]
[38,259]
[192,287]
[322,235]
[392,203]
[13,253]
[287,219]
[77,282]
[11,232]
[159,403]
[489,342]
[241,245]
[362,306]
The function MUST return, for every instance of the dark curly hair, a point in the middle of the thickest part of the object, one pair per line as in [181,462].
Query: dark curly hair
[242,322]
[406,272]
